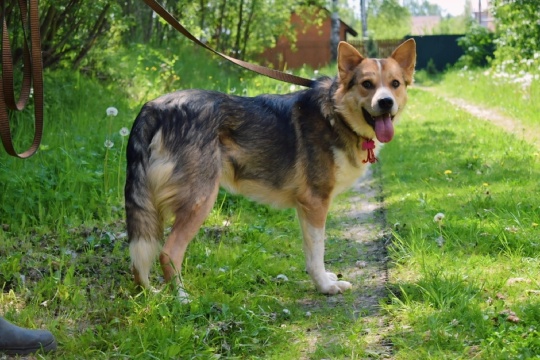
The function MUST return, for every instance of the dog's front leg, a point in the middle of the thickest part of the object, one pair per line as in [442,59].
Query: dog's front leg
[312,221]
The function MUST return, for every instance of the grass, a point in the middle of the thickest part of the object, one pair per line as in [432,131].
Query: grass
[64,260]
[476,296]
[512,95]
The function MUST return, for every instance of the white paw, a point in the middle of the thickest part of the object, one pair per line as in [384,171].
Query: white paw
[183,296]
[333,286]
[332,276]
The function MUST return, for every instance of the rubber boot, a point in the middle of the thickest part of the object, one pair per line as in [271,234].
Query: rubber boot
[15,340]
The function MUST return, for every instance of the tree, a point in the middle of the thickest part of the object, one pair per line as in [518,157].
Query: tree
[518,29]
[388,20]
[424,8]
[334,36]
[70,29]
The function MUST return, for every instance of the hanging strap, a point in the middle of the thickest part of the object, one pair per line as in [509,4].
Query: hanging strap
[32,77]
[271,73]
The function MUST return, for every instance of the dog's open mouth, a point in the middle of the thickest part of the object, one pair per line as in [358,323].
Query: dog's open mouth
[382,124]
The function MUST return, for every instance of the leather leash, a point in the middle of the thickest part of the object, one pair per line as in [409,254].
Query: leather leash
[32,73]
[271,73]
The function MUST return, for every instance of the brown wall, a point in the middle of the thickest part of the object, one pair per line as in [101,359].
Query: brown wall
[312,46]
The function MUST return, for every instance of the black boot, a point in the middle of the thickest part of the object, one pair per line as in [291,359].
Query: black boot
[15,340]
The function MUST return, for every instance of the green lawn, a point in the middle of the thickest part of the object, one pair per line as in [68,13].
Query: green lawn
[464,287]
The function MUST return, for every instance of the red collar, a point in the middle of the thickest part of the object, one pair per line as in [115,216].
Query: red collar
[369,145]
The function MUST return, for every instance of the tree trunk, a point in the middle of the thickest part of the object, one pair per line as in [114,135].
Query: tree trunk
[363,15]
[236,49]
[246,29]
[334,36]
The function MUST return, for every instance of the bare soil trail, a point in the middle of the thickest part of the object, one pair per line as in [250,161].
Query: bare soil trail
[511,125]
[360,221]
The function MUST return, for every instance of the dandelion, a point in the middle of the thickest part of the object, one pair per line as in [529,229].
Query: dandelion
[286,312]
[108,144]
[534,224]
[438,217]
[447,172]
[112,111]
[485,184]
[124,132]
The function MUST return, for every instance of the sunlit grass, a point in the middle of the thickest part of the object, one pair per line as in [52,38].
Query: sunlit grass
[455,298]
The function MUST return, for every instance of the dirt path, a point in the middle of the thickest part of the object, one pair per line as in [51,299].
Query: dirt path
[365,227]
[511,125]
[360,221]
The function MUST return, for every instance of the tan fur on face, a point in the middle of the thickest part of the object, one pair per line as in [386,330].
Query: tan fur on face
[381,73]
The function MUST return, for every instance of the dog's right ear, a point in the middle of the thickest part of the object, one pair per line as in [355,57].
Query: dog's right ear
[348,58]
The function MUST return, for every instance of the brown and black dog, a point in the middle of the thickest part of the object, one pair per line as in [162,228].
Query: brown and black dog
[296,150]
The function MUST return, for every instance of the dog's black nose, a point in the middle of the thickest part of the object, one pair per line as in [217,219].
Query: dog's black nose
[386,103]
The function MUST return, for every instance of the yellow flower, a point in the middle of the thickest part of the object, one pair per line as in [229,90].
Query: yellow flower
[447,172]
[534,224]
[485,184]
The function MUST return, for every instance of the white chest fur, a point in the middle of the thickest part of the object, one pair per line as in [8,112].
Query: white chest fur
[346,173]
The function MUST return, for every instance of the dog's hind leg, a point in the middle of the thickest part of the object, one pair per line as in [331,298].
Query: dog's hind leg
[312,216]
[189,218]
[144,230]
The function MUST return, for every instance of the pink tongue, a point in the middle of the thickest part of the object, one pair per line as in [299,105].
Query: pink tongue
[384,128]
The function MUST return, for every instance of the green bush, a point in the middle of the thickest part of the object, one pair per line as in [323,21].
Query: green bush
[478,45]
[518,29]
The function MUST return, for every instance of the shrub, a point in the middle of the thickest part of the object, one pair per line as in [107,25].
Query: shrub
[478,45]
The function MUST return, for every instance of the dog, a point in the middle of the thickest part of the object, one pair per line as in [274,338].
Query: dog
[295,150]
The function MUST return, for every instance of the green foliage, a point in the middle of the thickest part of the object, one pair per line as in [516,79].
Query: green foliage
[71,29]
[478,45]
[431,68]
[388,20]
[423,8]
[452,25]
[518,29]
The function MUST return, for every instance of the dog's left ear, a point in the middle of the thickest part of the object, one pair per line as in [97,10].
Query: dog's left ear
[405,55]
[348,58]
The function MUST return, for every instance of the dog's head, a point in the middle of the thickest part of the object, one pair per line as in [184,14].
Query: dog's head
[373,92]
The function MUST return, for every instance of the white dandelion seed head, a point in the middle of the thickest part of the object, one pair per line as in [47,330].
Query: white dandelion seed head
[112,111]
[286,312]
[438,218]
[108,144]
[124,131]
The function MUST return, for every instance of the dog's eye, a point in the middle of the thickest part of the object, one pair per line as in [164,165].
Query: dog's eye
[395,84]
[368,84]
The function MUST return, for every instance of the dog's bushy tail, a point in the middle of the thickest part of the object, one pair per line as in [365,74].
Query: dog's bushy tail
[143,216]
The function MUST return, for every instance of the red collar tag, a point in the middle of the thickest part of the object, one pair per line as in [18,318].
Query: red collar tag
[369,145]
